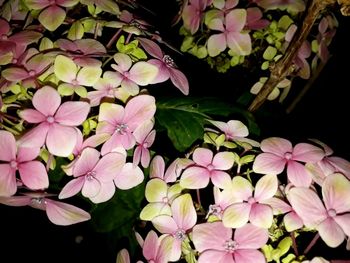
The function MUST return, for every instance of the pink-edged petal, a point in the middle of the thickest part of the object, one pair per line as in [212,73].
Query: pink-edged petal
[184,212]
[129,177]
[220,179]
[236,215]
[138,110]
[307,205]
[33,175]
[278,206]
[124,62]
[237,129]
[191,18]
[145,157]
[130,87]
[308,153]
[8,185]
[150,245]
[7,146]
[88,76]
[72,188]
[195,178]
[137,155]
[336,193]
[47,100]
[86,162]
[251,237]
[112,144]
[54,143]
[202,156]
[35,137]
[106,192]
[249,256]
[241,189]
[72,113]
[216,23]
[16,200]
[223,160]
[239,43]
[179,80]
[25,154]
[109,166]
[235,20]
[143,73]
[216,256]
[216,44]
[268,163]
[266,187]
[52,17]
[297,174]
[276,145]
[153,210]
[331,233]
[261,215]
[292,221]
[210,236]
[32,116]
[14,74]
[91,187]
[341,165]
[163,71]
[165,224]
[111,113]
[64,214]
[156,190]
[151,47]
[344,222]
[123,256]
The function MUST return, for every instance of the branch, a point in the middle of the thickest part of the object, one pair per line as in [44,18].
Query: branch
[284,66]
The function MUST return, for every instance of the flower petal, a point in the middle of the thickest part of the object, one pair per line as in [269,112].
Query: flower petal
[153,210]
[239,43]
[35,137]
[202,156]
[86,162]
[236,215]
[308,153]
[54,142]
[235,20]
[32,116]
[335,192]
[33,175]
[88,76]
[266,187]
[25,154]
[251,237]
[216,44]
[241,189]
[129,177]
[195,178]
[52,17]
[151,47]
[72,188]
[249,256]
[8,147]
[179,80]
[298,175]
[72,113]
[47,100]
[91,187]
[276,145]
[64,214]
[344,222]
[268,163]
[106,192]
[183,211]
[331,233]
[150,245]
[223,160]
[8,184]
[220,179]
[109,166]
[261,215]
[165,224]
[157,167]
[142,73]
[212,255]
[156,190]
[292,221]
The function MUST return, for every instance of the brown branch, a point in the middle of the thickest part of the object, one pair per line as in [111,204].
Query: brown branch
[284,66]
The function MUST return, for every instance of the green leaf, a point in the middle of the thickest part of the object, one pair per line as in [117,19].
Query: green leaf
[184,118]
[270,53]
[284,22]
[265,65]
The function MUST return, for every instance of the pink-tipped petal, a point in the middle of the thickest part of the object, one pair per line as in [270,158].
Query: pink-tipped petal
[106,192]
[184,212]
[47,100]
[276,145]
[202,156]
[54,142]
[86,162]
[91,187]
[251,237]
[308,153]
[298,175]
[241,188]
[145,157]
[72,113]
[151,47]
[268,163]
[163,71]
[25,154]
[72,188]
[220,179]
[266,187]
[223,160]
[156,190]
[331,233]
[261,215]
[150,245]
[124,62]
[210,236]
[32,116]
[109,166]
[7,146]
[129,177]
[165,224]
[335,192]
[292,221]
[111,113]
[8,185]
[33,175]
[278,206]
[123,256]
[52,17]
[236,215]
[36,136]
[16,200]
[14,74]
[179,80]
[143,73]
[235,20]
[249,256]
[195,178]
[344,222]
[239,43]
[216,44]
[341,165]
[64,214]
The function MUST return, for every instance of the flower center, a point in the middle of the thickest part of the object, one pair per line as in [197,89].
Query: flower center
[165,200]
[126,74]
[180,234]
[121,128]
[230,245]
[151,261]
[90,175]
[288,155]
[210,167]
[331,213]
[75,82]
[14,61]
[13,164]
[169,61]
[251,200]
[32,73]
[38,201]
[215,209]
[50,119]
[3,37]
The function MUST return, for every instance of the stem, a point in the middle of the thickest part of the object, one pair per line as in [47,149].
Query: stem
[49,160]
[198,198]
[294,244]
[113,39]
[97,26]
[312,243]
[284,66]
[128,39]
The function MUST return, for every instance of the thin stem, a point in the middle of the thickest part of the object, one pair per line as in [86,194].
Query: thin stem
[113,39]
[97,26]
[49,160]
[128,39]
[312,243]
[294,244]
[199,198]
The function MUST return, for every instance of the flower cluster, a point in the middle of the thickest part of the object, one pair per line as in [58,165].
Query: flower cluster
[72,105]
[242,33]
[267,199]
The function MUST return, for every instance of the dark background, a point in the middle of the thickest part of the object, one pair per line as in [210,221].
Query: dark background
[27,235]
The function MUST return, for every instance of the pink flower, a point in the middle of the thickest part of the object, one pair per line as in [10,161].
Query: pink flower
[144,136]
[120,122]
[130,176]
[331,218]
[58,213]
[231,36]
[92,173]
[255,20]
[32,173]
[208,167]
[55,122]
[215,243]
[183,218]
[279,152]
[192,14]
[249,207]
[166,66]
